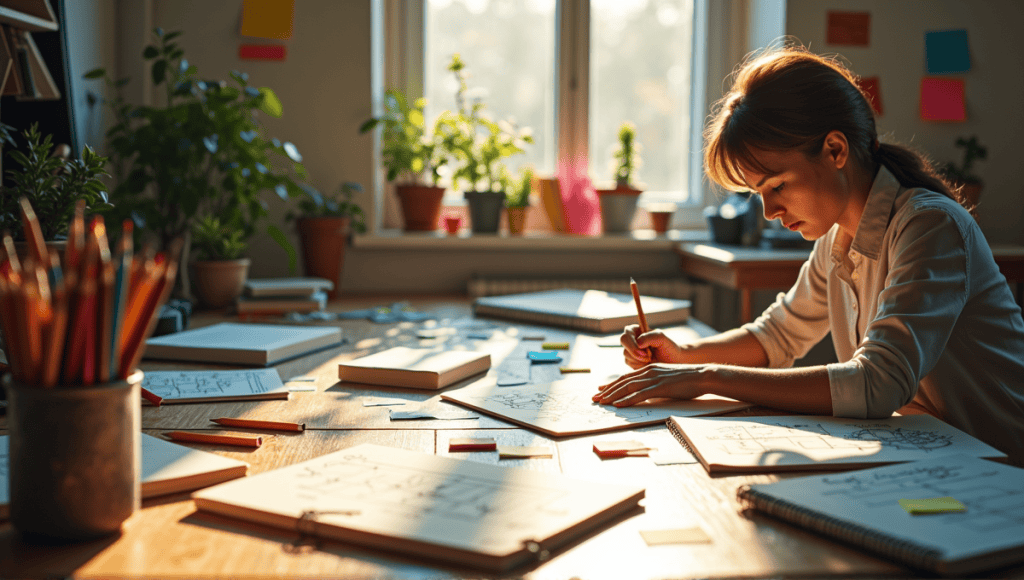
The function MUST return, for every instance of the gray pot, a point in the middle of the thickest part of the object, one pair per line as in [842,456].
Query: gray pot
[485,209]
[617,209]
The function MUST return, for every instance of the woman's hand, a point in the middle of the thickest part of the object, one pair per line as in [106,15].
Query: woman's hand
[654,381]
[641,350]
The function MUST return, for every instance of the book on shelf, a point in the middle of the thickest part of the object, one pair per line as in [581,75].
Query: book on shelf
[166,468]
[863,509]
[244,344]
[416,368]
[209,386]
[281,304]
[422,505]
[820,443]
[584,310]
[289,287]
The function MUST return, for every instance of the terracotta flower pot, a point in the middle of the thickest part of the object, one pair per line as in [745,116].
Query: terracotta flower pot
[516,220]
[421,206]
[323,241]
[219,282]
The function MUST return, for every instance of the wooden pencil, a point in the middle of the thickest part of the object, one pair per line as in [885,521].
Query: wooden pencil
[639,309]
[257,424]
[212,439]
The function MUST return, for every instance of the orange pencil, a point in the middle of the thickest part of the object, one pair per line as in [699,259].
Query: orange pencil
[131,357]
[80,349]
[27,306]
[13,334]
[214,439]
[639,309]
[254,424]
[33,233]
[76,240]
[104,299]
[151,396]
[12,253]
[54,351]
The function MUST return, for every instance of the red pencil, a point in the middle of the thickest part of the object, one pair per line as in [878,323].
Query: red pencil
[214,439]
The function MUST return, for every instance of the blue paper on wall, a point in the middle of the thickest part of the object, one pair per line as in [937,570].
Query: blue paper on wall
[947,52]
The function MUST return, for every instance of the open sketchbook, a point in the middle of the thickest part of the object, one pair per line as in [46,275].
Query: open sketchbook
[862,508]
[166,468]
[424,505]
[585,310]
[212,386]
[244,344]
[810,442]
[565,407]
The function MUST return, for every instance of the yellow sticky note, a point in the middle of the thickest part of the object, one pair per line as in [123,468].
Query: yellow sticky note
[693,535]
[555,346]
[573,370]
[522,452]
[268,18]
[932,505]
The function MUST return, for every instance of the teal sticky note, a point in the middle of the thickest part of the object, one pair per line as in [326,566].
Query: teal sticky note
[946,52]
[543,357]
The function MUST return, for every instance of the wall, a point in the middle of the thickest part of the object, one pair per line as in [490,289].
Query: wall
[994,85]
[90,31]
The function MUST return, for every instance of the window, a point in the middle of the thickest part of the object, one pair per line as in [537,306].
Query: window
[573,71]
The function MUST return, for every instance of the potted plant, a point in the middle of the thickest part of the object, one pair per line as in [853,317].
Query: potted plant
[51,183]
[961,176]
[479,145]
[413,158]
[517,200]
[325,224]
[618,205]
[219,270]
[201,152]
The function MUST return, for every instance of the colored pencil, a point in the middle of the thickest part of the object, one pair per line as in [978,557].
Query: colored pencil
[257,424]
[639,309]
[209,438]
[152,397]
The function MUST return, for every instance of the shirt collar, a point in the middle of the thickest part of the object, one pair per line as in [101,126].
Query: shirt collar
[875,219]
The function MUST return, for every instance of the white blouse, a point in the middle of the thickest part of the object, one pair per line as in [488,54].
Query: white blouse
[921,318]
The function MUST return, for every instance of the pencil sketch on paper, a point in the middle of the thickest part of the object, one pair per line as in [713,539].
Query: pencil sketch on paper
[757,438]
[203,384]
[993,503]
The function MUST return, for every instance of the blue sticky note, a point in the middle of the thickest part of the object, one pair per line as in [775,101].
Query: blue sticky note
[946,52]
[543,357]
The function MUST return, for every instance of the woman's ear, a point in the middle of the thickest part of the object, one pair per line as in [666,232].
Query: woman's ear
[836,148]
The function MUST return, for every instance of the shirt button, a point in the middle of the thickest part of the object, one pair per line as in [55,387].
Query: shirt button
[854,306]
[855,276]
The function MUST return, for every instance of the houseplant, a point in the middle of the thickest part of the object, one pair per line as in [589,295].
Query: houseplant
[517,199]
[479,144]
[618,205]
[201,152]
[325,223]
[413,158]
[961,175]
[219,269]
[50,183]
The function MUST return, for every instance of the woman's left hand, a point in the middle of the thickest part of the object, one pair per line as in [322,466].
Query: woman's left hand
[653,381]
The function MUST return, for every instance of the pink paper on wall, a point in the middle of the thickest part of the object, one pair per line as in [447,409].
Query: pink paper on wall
[942,99]
[262,52]
[871,86]
[849,28]
[579,200]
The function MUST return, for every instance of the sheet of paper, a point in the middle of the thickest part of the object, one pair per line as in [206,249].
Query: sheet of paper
[943,99]
[512,373]
[213,385]
[431,413]
[523,451]
[383,402]
[678,456]
[947,52]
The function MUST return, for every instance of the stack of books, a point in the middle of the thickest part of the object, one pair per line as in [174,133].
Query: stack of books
[276,296]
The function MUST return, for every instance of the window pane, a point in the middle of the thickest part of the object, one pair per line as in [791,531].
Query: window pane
[640,72]
[508,47]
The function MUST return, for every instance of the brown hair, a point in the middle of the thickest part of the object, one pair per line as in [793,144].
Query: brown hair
[789,98]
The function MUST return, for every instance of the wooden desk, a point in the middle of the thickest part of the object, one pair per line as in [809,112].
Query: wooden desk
[168,537]
[747,269]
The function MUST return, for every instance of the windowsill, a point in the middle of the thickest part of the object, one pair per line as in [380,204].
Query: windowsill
[541,241]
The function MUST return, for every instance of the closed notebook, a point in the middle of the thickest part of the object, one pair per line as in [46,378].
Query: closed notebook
[585,310]
[416,368]
[166,468]
[809,442]
[281,304]
[290,287]
[244,344]
[862,508]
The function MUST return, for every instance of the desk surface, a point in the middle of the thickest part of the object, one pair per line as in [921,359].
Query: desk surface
[168,537]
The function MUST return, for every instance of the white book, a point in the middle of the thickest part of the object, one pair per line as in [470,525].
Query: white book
[265,287]
[811,442]
[417,368]
[166,468]
[423,505]
[245,344]
[211,386]
[585,310]
[862,508]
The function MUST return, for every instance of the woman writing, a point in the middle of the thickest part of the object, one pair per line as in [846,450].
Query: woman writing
[901,274]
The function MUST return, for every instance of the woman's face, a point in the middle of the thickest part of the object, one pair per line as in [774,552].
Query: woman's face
[808,195]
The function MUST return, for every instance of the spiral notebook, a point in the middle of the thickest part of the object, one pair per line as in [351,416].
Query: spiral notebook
[862,508]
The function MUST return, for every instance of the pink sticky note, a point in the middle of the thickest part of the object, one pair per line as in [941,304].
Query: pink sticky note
[262,52]
[942,99]
[871,86]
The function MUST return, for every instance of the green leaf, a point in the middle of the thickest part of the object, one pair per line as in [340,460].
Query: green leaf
[96,73]
[282,240]
[159,71]
[270,104]
[151,52]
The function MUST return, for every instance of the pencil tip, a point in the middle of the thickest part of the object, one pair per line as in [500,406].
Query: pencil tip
[631,280]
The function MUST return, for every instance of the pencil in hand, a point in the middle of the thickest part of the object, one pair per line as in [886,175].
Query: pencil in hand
[639,309]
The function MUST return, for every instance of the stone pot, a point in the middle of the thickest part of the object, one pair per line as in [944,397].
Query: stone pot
[618,206]
[485,210]
[323,240]
[219,282]
[421,206]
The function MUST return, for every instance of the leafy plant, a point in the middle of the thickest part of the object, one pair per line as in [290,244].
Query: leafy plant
[52,185]
[200,153]
[517,190]
[315,204]
[213,240]
[961,174]
[408,150]
[627,155]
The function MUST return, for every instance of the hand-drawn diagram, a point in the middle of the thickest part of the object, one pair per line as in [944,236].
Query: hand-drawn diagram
[992,505]
[556,406]
[204,384]
[757,438]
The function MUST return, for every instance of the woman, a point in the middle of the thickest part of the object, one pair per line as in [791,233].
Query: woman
[900,274]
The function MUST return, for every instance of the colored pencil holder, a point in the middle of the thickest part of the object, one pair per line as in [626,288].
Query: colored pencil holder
[74,458]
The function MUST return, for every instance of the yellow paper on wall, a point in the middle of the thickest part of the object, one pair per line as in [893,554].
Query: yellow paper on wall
[268,18]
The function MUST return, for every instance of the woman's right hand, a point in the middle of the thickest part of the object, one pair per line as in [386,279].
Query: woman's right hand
[641,350]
